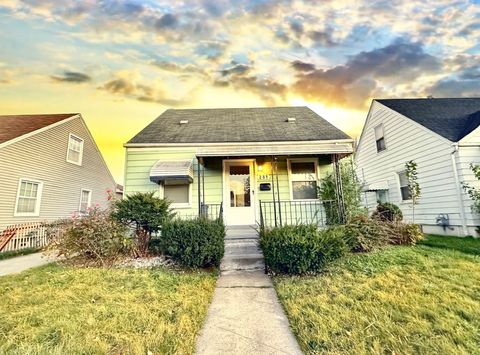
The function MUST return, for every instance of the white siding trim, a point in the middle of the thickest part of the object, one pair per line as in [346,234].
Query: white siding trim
[80,158]
[43,129]
[289,172]
[277,143]
[36,213]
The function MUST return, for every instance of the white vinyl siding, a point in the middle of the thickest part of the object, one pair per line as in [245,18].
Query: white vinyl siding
[303,179]
[28,198]
[85,200]
[408,140]
[61,181]
[75,149]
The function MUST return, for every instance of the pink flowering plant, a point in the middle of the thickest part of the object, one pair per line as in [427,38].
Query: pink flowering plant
[94,236]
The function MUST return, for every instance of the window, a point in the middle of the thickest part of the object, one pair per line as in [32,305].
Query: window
[179,195]
[404,187]
[75,150]
[303,176]
[382,196]
[28,198]
[380,138]
[85,200]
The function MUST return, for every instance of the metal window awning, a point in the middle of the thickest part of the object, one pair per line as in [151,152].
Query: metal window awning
[172,171]
[376,186]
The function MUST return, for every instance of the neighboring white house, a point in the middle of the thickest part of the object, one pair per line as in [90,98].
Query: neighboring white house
[50,167]
[443,137]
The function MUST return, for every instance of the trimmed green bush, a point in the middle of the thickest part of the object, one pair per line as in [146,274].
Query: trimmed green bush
[388,212]
[302,248]
[194,243]
[363,234]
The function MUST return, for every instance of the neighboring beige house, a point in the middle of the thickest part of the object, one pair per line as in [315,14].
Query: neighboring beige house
[443,137]
[50,167]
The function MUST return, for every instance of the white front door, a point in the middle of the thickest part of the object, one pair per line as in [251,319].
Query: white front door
[238,192]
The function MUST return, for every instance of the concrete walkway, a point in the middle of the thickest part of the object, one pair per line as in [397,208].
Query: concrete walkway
[24,262]
[245,316]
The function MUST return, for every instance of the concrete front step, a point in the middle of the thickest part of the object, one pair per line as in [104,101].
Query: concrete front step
[242,262]
[240,247]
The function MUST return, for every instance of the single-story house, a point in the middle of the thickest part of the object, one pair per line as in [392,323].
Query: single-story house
[50,167]
[253,165]
[443,137]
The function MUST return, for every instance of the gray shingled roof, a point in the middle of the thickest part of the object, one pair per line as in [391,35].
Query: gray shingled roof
[266,124]
[452,118]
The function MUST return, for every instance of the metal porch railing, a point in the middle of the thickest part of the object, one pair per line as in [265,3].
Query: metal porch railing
[291,212]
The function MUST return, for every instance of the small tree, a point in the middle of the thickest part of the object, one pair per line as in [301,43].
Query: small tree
[413,185]
[146,213]
[351,193]
[473,192]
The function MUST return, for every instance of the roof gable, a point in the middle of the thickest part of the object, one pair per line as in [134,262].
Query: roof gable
[268,124]
[451,118]
[14,126]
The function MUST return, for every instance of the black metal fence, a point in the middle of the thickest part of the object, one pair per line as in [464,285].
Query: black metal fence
[212,210]
[290,212]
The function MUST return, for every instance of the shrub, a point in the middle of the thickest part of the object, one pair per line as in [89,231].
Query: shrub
[388,212]
[144,212]
[95,236]
[194,243]
[405,234]
[364,234]
[302,248]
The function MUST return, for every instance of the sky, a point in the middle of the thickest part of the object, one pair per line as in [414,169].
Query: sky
[122,63]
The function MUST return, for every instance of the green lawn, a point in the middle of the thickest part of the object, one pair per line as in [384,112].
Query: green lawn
[401,300]
[65,310]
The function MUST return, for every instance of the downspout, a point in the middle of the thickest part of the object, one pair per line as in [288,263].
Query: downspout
[459,189]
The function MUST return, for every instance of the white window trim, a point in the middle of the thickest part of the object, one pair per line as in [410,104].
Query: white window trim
[402,201]
[384,138]
[178,205]
[290,181]
[36,213]
[80,160]
[89,199]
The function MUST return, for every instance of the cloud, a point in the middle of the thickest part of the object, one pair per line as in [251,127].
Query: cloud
[300,66]
[211,49]
[178,68]
[167,21]
[354,82]
[455,88]
[119,86]
[322,38]
[72,77]
[236,69]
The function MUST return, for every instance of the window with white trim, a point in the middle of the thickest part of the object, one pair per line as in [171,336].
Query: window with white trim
[380,138]
[28,198]
[303,179]
[75,150]
[179,195]
[85,200]
[404,186]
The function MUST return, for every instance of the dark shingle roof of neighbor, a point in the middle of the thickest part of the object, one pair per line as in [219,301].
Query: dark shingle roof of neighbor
[13,126]
[452,118]
[267,124]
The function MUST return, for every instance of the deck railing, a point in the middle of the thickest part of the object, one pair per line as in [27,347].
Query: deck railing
[291,212]
[27,235]
[212,210]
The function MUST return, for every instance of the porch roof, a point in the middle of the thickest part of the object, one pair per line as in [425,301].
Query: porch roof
[294,148]
[172,171]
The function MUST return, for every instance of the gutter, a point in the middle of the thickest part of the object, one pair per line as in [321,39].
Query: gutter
[459,189]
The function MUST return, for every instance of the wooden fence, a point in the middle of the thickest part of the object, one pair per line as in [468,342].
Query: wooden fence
[27,235]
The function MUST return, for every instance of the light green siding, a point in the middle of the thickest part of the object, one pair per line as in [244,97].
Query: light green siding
[139,161]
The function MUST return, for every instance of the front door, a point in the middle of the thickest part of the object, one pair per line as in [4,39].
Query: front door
[238,192]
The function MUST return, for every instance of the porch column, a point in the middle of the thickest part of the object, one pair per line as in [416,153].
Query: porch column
[339,189]
[199,187]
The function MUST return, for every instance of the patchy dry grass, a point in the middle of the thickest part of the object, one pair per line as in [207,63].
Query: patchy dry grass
[65,310]
[401,300]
